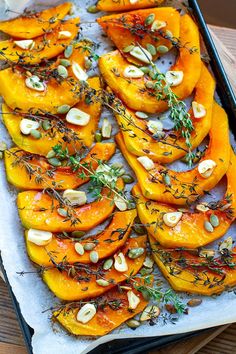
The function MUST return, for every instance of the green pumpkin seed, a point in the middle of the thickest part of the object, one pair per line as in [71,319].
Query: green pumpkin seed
[149,84]
[50,154]
[139,229]
[76,234]
[102,282]
[214,220]
[3,146]
[120,172]
[63,109]
[62,212]
[166,179]
[127,179]
[54,162]
[35,133]
[92,9]
[88,63]
[151,49]
[141,115]
[145,69]
[68,51]
[194,302]
[93,256]
[208,226]
[128,48]
[89,246]
[136,252]
[133,323]
[46,124]
[149,19]
[146,271]
[62,71]
[162,49]
[108,264]
[98,137]
[79,248]
[65,62]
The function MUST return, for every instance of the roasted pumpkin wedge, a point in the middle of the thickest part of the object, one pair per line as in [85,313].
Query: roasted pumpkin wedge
[84,284]
[194,229]
[139,142]
[129,28]
[106,318]
[40,211]
[35,24]
[106,242]
[70,136]
[185,187]
[111,5]
[197,274]
[46,46]
[133,91]
[18,162]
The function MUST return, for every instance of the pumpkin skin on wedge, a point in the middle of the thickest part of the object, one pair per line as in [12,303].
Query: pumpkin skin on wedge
[46,46]
[139,143]
[84,135]
[134,92]
[190,231]
[106,319]
[186,186]
[122,36]
[184,280]
[61,178]
[70,289]
[111,5]
[35,211]
[31,27]
[61,248]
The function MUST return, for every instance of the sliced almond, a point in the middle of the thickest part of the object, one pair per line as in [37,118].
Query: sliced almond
[86,313]
[25,44]
[64,34]
[133,299]
[75,197]
[172,219]
[156,25]
[147,163]
[26,125]
[77,117]
[120,263]
[79,73]
[141,54]
[206,168]
[39,237]
[174,78]
[132,71]
[199,111]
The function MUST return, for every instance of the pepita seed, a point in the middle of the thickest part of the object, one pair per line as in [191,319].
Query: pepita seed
[62,71]
[162,49]
[136,252]
[65,62]
[149,84]
[98,137]
[145,69]
[68,51]
[208,226]
[89,246]
[214,220]
[92,9]
[167,180]
[102,282]
[79,248]
[194,302]
[46,125]
[62,212]
[63,109]
[76,234]
[3,146]
[108,264]
[127,179]
[128,48]
[120,172]
[50,154]
[151,49]
[146,271]
[149,19]
[141,115]
[88,63]
[93,256]
[54,162]
[133,323]
[35,133]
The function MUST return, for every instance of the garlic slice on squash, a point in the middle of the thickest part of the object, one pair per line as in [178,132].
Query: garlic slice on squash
[39,237]
[120,263]
[157,24]
[77,117]
[34,83]
[174,78]
[172,219]
[120,203]
[86,313]
[151,311]
[25,44]
[79,73]
[147,163]
[199,111]
[206,168]
[132,71]
[26,125]
[133,299]
[64,34]
[155,126]
[75,197]
[141,54]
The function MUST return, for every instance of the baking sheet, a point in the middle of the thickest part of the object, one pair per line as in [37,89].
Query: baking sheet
[34,296]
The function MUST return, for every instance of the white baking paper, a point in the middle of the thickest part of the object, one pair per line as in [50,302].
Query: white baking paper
[30,291]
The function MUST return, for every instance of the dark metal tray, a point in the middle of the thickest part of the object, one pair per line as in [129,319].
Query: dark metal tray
[143,345]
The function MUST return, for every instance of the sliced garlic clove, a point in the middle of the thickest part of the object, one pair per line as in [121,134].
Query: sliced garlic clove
[155,126]
[172,219]
[39,237]
[77,117]
[202,207]
[106,128]
[141,115]
[132,2]
[26,125]
[151,311]
[75,197]
[120,203]
[79,73]
[147,163]
[226,244]
[86,313]
[199,111]
[64,34]
[34,83]
[206,168]
[133,300]
[120,263]
[174,78]
[148,262]
[141,54]
[25,44]
[132,71]
[156,25]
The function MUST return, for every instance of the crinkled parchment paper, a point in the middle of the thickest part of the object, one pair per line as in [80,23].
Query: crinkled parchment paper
[30,291]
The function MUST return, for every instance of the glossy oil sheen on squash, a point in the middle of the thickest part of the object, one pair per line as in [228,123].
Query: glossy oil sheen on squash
[107,242]
[70,289]
[129,89]
[111,5]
